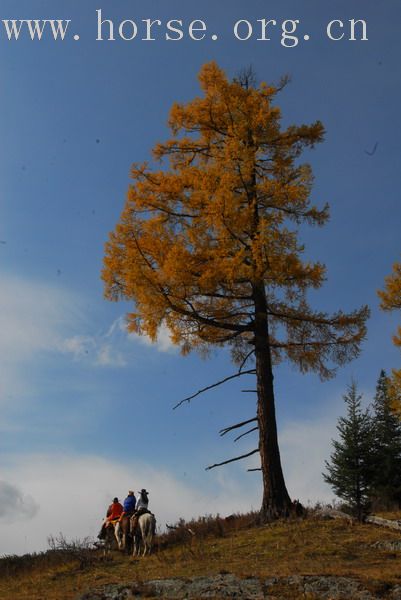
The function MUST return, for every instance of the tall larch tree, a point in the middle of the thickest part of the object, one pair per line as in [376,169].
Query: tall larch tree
[390,298]
[208,245]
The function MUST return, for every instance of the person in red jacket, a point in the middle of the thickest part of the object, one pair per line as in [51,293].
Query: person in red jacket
[114,512]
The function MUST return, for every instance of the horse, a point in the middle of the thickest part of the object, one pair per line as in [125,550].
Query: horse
[143,530]
[110,538]
[122,532]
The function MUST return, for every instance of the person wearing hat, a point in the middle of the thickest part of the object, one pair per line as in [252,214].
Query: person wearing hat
[143,500]
[129,504]
[141,508]
[114,512]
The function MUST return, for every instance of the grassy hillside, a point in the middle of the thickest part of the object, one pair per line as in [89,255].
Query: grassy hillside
[301,547]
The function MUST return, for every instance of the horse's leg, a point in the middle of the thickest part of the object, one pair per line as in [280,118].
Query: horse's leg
[150,541]
[135,535]
[108,541]
[149,527]
[132,534]
[129,538]
[146,531]
[117,534]
[124,526]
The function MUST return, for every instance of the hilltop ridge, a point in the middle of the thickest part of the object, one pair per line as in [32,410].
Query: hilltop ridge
[222,558]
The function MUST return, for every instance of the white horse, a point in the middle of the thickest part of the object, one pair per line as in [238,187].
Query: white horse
[143,532]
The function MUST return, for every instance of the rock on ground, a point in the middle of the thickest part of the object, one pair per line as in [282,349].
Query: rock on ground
[229,586]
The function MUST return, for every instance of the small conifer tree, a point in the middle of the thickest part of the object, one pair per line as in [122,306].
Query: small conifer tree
[386,490]
[350,469]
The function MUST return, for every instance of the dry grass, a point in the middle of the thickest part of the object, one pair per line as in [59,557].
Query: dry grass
[393,515]
[307,547]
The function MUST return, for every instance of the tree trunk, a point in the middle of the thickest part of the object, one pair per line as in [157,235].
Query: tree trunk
[276,501]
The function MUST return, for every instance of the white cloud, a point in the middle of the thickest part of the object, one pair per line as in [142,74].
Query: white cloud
[78,345]
[25,311]
[33,317]
[37,317]
[163,342]
[100,349]
[107,356]
[94,350]
[14,504]
[104,349]
[305,445]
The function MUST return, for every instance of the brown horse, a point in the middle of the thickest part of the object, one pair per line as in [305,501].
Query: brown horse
[123,533]
[110,539]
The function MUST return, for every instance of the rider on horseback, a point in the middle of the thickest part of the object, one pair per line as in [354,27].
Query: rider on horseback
[129,505]
[113,512]
[143,501]
[141,508]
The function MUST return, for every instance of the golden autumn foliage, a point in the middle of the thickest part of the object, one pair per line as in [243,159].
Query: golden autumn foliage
[208,244]
[195,234]
[391,300]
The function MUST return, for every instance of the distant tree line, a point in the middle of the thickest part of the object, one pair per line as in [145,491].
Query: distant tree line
[364,469]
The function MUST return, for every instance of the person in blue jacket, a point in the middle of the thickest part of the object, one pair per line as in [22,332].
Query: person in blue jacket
[129,503]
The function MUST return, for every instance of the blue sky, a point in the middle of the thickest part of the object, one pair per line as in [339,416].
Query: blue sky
[86,411]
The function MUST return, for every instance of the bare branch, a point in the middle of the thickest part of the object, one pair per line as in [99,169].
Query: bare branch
[250,391]
[246,433]
[258,469]
[246,77]
[284,80]
[232,460]
[209,387]
[225,296]
[236,426]
[194,314]
[242,365]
